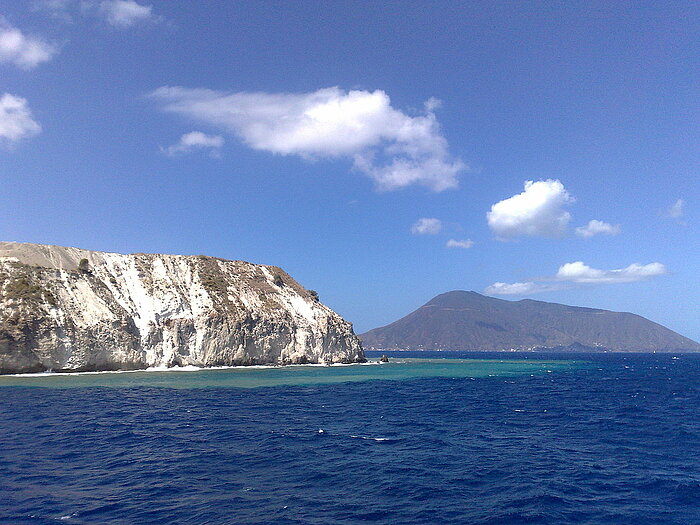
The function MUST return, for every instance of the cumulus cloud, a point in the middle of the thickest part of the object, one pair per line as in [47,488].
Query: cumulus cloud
[596,227]
[16,122]
[125,13]
[391,147]
[579,273]
[676,210]
[467,243]
[427,226]
[21,50]
[195,140]
[537,211]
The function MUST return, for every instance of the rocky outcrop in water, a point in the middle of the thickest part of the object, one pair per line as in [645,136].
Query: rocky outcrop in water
[67,309]
[462,320]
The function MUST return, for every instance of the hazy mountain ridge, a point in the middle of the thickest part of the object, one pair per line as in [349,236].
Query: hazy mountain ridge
[461,320]
[72,309]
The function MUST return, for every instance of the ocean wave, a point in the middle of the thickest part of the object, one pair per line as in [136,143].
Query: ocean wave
[369,438]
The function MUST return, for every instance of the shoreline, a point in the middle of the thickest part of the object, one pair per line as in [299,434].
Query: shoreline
[187,368]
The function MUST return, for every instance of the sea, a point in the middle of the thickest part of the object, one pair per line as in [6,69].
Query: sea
[427,438]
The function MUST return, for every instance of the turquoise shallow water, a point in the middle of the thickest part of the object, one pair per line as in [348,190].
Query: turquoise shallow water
[304,375]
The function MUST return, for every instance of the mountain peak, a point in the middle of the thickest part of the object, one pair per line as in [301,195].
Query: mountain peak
[456,299]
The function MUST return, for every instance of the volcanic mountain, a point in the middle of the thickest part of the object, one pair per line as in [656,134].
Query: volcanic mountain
[461,320]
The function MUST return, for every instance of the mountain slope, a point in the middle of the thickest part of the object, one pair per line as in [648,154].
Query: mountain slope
[462,320]
[72,309]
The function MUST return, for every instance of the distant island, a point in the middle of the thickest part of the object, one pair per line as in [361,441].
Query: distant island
[67,309]
[461,320]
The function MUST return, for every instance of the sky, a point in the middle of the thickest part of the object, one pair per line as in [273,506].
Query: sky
[380,152]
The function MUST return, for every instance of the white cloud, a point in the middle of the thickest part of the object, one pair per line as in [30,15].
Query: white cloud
[121,14]
[539,210]
[676,210]
[579,273]
[596,227]
[21,50]
[427,226]
[526,288]
[195,140]
[57,9]
[16,122]
[394,149]
[125,13]
[467,243]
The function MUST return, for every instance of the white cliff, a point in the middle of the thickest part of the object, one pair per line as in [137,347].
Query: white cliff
[73,310]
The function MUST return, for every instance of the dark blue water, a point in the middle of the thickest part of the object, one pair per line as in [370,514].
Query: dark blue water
[615,441]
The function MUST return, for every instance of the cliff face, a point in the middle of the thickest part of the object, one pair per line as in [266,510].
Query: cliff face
[76,310]
[462,320]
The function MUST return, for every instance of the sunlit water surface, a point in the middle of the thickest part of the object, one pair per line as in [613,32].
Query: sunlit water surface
[498,439]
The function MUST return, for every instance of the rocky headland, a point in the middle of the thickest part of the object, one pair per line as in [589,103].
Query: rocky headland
[68,309]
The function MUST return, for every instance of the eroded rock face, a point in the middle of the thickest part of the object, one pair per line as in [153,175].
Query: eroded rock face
[77,310]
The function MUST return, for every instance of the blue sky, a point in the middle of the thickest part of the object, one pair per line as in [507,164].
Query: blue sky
[380,152]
